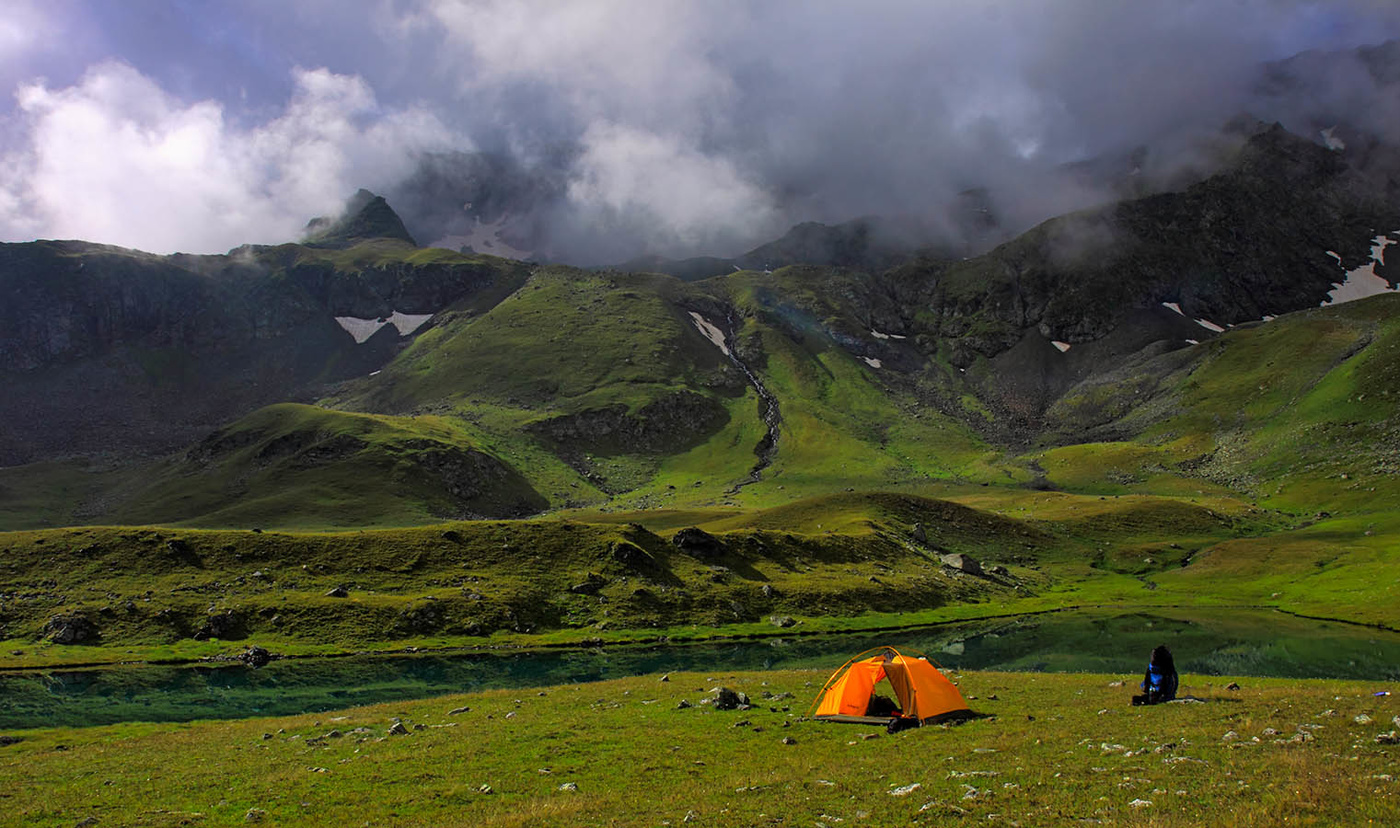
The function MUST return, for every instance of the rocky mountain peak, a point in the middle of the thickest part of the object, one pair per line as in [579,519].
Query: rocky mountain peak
[366,216]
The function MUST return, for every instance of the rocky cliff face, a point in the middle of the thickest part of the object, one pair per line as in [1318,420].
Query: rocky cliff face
[104,349]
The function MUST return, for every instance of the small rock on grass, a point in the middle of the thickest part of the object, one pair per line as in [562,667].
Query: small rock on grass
[397,729]
[788,740]
[906,789]
[1391,738]
[255,815]
[485,789]
[569,786]
[457,711]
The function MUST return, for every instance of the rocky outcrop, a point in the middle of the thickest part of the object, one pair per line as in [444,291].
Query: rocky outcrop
[698,543]
[669,423]
[74,628]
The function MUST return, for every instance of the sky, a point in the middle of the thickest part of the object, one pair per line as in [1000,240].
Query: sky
[678,126]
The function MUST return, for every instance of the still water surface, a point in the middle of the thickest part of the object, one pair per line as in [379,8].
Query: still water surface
[1237,643]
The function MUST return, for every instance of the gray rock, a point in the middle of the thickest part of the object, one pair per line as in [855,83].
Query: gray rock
[338,592]
[397,729]
[74,628]
[724,698]
[962,563]
[457,711]
[781,620]
[255,815]
[255,656]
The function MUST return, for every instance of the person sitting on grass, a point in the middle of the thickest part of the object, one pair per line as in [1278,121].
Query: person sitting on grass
[1159,683]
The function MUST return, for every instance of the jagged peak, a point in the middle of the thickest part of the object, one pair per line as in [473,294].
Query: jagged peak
[366,216]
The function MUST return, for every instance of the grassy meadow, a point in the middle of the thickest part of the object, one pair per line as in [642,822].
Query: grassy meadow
[1054,749]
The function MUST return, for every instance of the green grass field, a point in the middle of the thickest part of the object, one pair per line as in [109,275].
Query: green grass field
[1055,749]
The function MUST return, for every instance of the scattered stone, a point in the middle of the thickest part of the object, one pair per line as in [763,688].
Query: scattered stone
[85,823]
[767,590]
[665,677]
[421,726]
[1229,736]
[397,729]
[999,571]
[918,533]
[782,621]
[1269,731]
[255,815]
[1391,738]
[1115,684]
[267,736]
[338,592]
[905,790]
[6,740]
[457,711]
[1140,803]
[683,704]
[690,816]
[485,789]
[788,740]
[569,786]
[1232,686]
[1362,719]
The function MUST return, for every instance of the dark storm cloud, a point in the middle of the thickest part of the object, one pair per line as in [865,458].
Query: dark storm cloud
[677,127]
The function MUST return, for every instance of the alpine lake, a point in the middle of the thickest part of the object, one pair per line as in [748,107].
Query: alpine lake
[1219,642]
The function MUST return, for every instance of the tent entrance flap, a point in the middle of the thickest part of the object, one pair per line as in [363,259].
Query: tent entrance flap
[922,691]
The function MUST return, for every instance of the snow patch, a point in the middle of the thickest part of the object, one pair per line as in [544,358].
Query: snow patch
[485,238]
[1363,282]
[709,331]
[1063,346]
[1172,306]
[1378,246]
[880,335]
[1267,318]
[1193,342]
[362,329]
[1209,325]
[872,362]
[407,323]
[1332,140]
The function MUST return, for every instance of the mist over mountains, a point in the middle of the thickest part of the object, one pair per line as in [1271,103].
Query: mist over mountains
[613,132]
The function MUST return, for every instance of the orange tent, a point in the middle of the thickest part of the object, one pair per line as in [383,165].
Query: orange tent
[923,693]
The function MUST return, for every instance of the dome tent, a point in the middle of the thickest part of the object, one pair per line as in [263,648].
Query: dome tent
[923,693]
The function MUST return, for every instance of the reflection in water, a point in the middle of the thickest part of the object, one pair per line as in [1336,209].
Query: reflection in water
[1217,643]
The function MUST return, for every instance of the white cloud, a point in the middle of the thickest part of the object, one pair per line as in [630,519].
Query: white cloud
[117,159]
[631,176]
